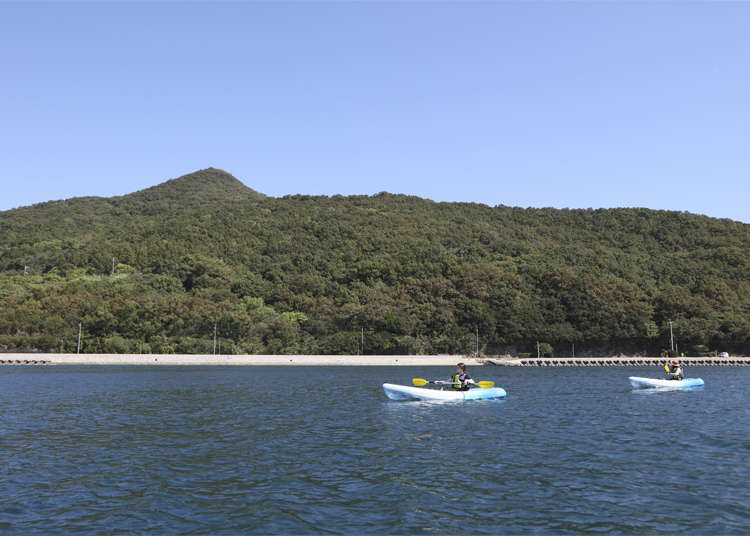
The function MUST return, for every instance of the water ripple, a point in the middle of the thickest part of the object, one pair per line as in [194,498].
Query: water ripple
[321,450]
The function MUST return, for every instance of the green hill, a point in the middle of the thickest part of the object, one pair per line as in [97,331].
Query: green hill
[304,274]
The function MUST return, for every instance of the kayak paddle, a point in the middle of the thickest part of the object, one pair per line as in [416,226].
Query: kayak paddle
[419,382]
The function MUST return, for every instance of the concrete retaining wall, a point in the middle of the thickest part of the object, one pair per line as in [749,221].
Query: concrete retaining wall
[173,359]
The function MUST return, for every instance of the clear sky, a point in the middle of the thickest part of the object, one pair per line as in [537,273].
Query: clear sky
[525,104]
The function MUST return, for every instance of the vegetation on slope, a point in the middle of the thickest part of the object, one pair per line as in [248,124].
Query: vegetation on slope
[304,274]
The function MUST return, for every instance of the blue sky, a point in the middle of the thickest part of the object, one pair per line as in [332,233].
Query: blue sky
[525,104]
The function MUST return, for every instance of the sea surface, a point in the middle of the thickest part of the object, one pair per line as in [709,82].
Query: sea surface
[321,450]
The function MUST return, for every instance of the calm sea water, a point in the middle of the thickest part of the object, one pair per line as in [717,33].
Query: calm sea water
[225,450]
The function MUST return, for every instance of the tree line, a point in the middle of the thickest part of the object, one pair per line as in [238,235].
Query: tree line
[312,274]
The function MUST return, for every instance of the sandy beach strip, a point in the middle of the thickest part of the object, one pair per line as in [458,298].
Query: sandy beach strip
[247,360]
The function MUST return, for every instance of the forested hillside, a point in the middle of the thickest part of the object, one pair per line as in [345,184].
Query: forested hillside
[305,274]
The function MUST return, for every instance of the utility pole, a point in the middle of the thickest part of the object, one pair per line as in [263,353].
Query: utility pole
[574,349]
[671,335]
[477,352]
[78,350]
[214,339]
[362,340]
[538,352]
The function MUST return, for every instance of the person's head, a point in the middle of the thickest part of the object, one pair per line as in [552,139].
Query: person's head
[461,367]
[675,362]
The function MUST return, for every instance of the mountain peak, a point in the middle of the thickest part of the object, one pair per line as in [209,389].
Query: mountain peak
[210,184]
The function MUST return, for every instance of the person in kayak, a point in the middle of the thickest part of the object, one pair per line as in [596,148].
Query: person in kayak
[674,370]
[461,380]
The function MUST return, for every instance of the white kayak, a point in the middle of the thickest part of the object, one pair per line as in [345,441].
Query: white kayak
[406,392]
[650,383]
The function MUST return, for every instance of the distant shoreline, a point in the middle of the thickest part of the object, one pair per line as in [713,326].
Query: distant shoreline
[349,360]
[246,360]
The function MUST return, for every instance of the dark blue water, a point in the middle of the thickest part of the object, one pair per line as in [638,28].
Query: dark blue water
[321,450]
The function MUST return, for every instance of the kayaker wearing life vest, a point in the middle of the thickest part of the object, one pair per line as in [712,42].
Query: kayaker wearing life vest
[674,370]
[461,380]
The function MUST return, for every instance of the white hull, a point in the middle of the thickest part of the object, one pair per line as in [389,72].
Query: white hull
[651,383]
[406,392]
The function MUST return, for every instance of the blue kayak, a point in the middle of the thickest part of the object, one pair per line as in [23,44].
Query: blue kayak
[406,392]
[651,383]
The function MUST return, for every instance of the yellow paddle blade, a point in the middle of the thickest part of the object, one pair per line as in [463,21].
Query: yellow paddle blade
[666,367]
[486,385]
[419,382]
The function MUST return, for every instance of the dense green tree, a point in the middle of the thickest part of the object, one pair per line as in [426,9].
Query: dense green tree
[310,274]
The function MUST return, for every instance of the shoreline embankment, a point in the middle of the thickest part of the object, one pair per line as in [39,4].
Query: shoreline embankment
[352,360]
[242,360]
[618,361]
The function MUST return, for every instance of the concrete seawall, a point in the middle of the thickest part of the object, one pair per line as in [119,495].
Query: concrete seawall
[353,360]
[619,362]
[248,360]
